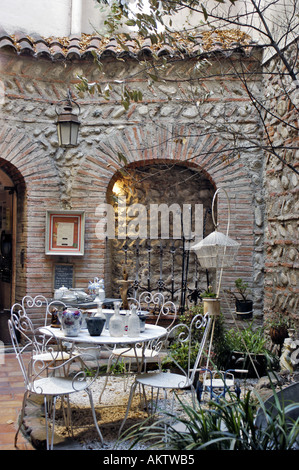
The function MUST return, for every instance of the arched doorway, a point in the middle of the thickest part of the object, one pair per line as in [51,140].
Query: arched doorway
[164,204]
[6,239]
[12,188]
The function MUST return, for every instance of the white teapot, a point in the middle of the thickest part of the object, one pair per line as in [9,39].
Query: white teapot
[59,293]
[65,295]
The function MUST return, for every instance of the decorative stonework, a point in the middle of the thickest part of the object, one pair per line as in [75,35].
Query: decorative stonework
[158,129]
[281,185]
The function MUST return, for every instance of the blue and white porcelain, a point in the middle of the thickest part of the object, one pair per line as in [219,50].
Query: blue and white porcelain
[71,321]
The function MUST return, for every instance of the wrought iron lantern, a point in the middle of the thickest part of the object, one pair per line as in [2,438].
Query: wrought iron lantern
[217,250]
[67,123]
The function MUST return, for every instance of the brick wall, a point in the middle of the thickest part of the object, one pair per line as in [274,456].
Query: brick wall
[79,178]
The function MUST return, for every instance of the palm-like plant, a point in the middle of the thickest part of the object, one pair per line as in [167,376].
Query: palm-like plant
[228,425]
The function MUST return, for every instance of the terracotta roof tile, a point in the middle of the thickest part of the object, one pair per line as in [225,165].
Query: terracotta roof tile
[7,43]
[81,47]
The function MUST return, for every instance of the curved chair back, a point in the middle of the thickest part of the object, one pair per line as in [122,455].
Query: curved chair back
[155,304]
[24,336]
[34,343]
[191,337]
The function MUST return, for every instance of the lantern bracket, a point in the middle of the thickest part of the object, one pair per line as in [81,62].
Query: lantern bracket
[69,100]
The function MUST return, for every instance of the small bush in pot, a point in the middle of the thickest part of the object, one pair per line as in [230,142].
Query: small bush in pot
[249,350]
[211,303]
[243,302]
[278,325]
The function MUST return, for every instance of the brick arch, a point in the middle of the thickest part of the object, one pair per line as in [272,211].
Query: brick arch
[25,155]
[150,144]
[143,145]
[37,185]
[144,163]
[15,175]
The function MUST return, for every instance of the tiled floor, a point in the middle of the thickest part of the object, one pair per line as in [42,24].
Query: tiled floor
[11,395]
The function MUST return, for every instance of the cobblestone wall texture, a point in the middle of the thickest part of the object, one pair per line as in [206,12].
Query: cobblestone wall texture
[55,178]
[281,195]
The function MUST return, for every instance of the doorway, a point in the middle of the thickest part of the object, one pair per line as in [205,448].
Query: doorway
[7,250]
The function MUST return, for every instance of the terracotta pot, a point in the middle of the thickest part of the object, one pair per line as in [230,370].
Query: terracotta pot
[278,334]
[211,306]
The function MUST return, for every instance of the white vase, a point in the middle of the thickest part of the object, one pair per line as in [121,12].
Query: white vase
[116,324]
[133,324]
[71,321]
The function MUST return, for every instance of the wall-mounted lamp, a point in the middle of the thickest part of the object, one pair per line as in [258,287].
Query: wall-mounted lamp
[67,123]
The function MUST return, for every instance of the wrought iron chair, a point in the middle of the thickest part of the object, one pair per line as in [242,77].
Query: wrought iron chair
[38,357]
[149,302]
[40,306]
[183,334]
[218,383]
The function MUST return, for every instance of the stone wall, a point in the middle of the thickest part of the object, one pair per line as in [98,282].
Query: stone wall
[158,129]
[281,186]
[147,190]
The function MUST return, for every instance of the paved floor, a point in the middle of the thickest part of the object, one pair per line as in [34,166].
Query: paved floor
[11,395]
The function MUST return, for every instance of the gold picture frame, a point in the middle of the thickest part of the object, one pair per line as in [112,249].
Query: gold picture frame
[65,233]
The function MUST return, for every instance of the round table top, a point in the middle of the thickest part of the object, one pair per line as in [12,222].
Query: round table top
[150,333]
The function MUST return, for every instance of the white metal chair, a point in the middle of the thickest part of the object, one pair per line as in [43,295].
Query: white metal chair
[183,334]
[42,375]
[147,302]
[38,306]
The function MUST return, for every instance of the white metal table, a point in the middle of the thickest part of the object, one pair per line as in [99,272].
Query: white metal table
[151,333]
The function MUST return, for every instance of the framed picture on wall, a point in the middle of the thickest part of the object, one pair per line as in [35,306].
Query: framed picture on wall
[65,233]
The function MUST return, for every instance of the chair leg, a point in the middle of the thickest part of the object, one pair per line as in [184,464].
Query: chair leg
[132,391]
[199,391]
[67,416]
[126,374]
[53,422]
[21,416]
[154,406]
[94,415]
[46,399]
[238,389]
[107,375]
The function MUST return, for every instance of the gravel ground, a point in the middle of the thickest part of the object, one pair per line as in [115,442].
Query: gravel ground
[110,413]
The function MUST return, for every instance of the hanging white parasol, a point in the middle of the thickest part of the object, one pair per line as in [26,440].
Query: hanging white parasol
[217,250]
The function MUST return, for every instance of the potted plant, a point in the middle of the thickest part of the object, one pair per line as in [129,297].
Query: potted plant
[249,351]
[243,303]
[279,325]
[211,303]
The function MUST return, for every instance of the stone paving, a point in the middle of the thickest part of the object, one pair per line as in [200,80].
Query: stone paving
[11,396]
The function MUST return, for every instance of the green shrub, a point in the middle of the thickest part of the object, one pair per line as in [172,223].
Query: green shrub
[227,425]
[248,339]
